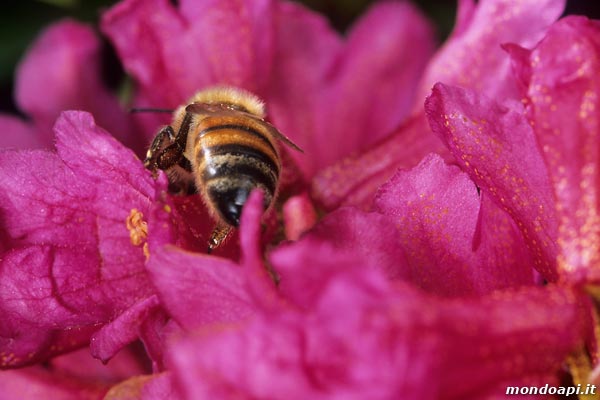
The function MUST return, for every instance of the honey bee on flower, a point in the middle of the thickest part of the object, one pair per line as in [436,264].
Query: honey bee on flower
[220,145]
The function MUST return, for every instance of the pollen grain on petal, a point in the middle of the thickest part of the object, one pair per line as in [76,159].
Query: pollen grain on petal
[137,227]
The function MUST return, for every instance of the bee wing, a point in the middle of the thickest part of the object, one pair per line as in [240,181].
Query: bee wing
[205,108]
[281,136]
[219,110]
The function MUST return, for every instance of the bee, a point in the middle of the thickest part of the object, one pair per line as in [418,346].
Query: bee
[220,146]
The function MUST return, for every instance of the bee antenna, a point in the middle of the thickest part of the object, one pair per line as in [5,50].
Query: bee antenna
[146,109]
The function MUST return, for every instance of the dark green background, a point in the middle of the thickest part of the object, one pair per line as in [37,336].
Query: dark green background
[20,22]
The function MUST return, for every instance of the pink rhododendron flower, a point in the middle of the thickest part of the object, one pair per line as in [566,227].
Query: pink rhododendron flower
[473,248]
[71,376]
[429,243]
[366,339]
[514,173]
[471,58]
[68,263]
[522,158]
[61,71]
[315,83]
[565,82]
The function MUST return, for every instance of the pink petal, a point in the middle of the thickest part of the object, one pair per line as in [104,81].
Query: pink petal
[366,339]
[456,243]
[190,225]
[123,330]
[64,63]
[464,16]
[472,57]
[198,289]
[220,41]
[239,32]
[521,326]
[144,387]
[473,47]
[73,376]
[308,266]
[299,215]
[81,365]
[194,288]
[65,219]
[39,383]
[258,278]
[23,342]
[305,46]
[345,238]
[150,38]
[495,144]
[563,87]
[160,387]
[264,44]
[384,56]
[19,134]
[355,180]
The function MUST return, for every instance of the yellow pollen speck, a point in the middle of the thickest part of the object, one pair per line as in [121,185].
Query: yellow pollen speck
[130,388]
[146,250]
[137,227]
[167,208]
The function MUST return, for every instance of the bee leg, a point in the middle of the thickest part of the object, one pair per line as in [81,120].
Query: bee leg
[218,236]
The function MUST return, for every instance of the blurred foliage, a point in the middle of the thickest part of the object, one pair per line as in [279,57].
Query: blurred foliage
[21,21]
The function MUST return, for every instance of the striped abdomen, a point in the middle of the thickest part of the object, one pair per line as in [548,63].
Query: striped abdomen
[234,156]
